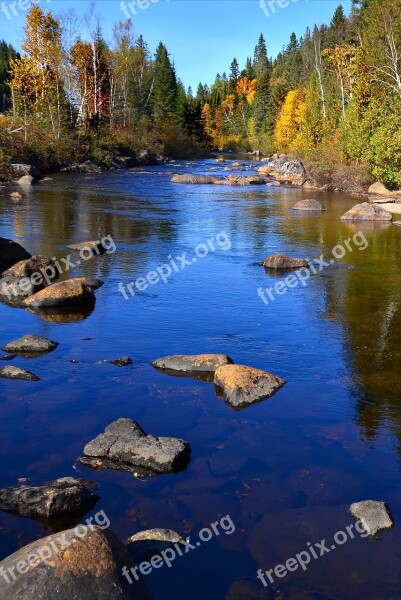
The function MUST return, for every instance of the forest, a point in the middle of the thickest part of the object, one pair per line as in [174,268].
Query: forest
[332,97]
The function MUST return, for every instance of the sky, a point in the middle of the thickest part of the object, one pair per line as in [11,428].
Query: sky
[202,36]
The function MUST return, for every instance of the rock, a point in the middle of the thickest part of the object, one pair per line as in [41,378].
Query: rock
[243,386]
[73,292]
[280,261]
[292,172]
[94,247]
[8,357]
[89,167]
[30,344]
[71,566]
[17,373]
[308,205]
[122,362]
[199,363]
[146,157]
[35,264]
[15,291]
[26,180]
[11,253]
[50,500]
[124,445]
[380,190]
[367,212]
[16,195]
[374,515]
[194,179]
[145,544]
[20,170]
[238,164]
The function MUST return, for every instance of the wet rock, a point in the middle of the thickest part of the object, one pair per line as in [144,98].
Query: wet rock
[380,190]
[200,363]
[124,445]
[280,261]
[125,361]
[194,179]
[37,264]
[145,544]
[242,386]
[16,195]
[17,373]
[89,167]
[367,212]
[308,205]
[14,291]
[94,247]
[374,515]
[25,181]
[50,500]
[30,344]
[11,253]
[71,566]
[20,169]
[74,292]
[8,357]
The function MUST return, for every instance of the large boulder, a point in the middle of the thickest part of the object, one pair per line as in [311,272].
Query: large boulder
[199,363]
[10,372]
[124,445]
[85,563]
[378,189]
[242,386]
[194,179]
[308,205]
[73,292]
[25,180]
[292,172]
[280,261]
[146,157]
[21,169]
[30,344]
[374,515]
[50,500]
[367,212]
[36,264]
[11,253]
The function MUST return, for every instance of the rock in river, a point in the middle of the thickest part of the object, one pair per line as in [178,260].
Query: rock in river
[74,292]
[196,179]
[30,344]
[243,386]
[36,264]
[71,566]
[308,205]
[11,253]
[145,544]
[91,247]
[280,261]
[374,515]
[49,500]
[124,361]
[199,363]
[10,372]
[124,445]
[367,212]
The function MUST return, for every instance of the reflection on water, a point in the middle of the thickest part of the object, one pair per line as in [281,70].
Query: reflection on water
[286,469]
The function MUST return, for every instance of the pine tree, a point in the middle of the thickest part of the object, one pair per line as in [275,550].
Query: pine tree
[165,85]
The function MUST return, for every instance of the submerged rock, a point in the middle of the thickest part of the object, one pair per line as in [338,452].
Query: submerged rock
[71,565]
[125,361]
[243,386]
[145,544]
[10,372]
[308,205]
[74,292]
[194,179]
[280,261]
[93,246]
[30,344]
[198,363]
[367,212]
[374,515]
[26,180]
[124,445]
[50,500]
[11,253]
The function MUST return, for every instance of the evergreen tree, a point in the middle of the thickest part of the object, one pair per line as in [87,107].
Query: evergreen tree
[165,85]
[7,53]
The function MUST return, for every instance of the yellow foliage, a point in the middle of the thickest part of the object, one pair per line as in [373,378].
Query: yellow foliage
[288,130]
[247,87]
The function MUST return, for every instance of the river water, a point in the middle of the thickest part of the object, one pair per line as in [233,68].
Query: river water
[285,470]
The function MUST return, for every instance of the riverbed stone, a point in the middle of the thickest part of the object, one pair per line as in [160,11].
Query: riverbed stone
[198,363]
[25,180]
[280,261]
[124,445]
[51,499]
[73,292]
[36,264]
[124,361]
[145,544]
[308,205]
[242,386]
[10,372]
[11,253]
[30,344]
[70,566]
[367,212]
[93,246]
[374,515]
[194,179]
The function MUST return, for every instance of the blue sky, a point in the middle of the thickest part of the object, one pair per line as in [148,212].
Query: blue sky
[202,36]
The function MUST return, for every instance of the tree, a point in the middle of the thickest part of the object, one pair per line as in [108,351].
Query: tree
[165,85]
